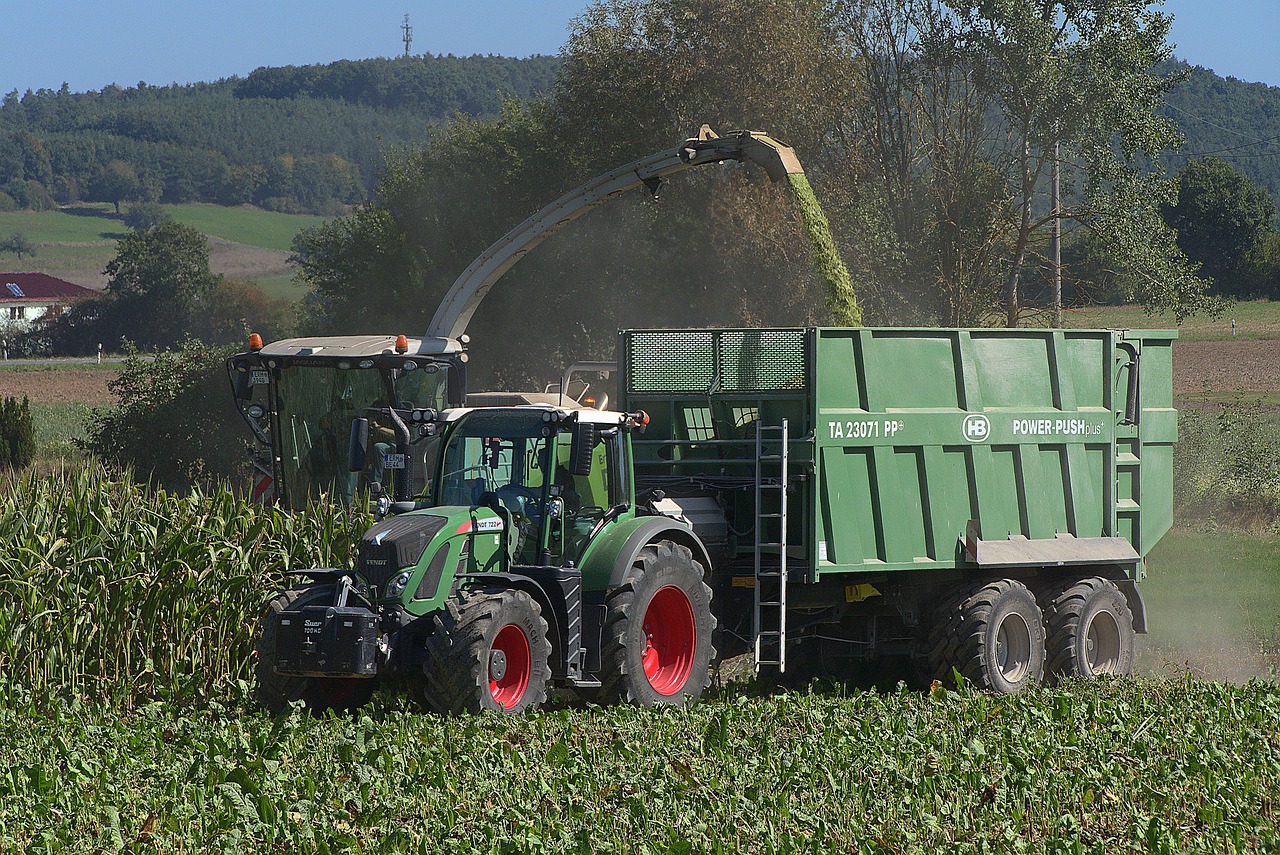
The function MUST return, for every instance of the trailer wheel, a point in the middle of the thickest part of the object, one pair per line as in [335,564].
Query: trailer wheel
[992,633]
[1090,629]
[658,630]
[277,691]
[488,651]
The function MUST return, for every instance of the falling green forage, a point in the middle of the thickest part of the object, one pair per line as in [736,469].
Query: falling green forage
[842,303]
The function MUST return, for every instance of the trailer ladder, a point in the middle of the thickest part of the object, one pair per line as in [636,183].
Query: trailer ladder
[769,624]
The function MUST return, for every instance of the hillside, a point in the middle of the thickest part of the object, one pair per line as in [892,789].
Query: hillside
[1227,118]
[75,243]
[298,139]
[307,139]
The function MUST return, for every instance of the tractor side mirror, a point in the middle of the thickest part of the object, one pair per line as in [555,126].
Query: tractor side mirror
[359,448]
[584,442]
[241,388]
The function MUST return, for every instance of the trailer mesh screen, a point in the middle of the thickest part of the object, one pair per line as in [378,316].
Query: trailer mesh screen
[711,361]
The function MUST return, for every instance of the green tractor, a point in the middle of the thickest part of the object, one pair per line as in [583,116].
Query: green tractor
[526,562]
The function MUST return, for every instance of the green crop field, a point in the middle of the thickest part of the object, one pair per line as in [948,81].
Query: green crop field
[126,722]
[249,226]
[1141,766]
[76,243]
[1258,319]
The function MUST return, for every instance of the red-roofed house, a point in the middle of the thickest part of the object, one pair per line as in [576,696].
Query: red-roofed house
[24,297]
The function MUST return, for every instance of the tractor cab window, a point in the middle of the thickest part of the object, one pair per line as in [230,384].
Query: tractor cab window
[495,453]
[586,498]
[316,405]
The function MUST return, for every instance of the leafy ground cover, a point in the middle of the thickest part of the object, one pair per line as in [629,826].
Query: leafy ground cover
[1114,767]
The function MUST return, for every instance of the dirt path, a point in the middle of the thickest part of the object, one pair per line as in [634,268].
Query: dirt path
[58,385]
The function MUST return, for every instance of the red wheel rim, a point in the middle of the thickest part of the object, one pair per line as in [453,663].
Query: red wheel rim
[510,664]
[670,637]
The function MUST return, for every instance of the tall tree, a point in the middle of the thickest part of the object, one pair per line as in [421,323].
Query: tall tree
[116,182]
[19,244]
[1223,221]
[932,235]
[158,281]
[1081,73]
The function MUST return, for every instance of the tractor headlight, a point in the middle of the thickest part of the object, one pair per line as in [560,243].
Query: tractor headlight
[397,585]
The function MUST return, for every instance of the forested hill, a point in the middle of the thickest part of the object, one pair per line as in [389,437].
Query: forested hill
[308,138]
[432,86]
[1227,118]
[297,139]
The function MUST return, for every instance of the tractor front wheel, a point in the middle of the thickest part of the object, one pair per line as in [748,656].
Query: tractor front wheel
[658,630]
[488,651]
[277,691]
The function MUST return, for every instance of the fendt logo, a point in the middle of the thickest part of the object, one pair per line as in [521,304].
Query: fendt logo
[976,428]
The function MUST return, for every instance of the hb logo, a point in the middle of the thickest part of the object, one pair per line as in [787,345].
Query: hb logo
[976,428]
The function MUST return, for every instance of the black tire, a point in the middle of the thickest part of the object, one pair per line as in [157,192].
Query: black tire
[665,585]
[318,694]
[1089,628]
[992,633]
[488,651]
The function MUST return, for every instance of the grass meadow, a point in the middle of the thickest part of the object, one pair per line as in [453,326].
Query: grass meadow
[76,243]
[1256,319]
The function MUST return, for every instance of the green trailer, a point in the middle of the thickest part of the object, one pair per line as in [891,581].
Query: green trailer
[971,502]
[979,500]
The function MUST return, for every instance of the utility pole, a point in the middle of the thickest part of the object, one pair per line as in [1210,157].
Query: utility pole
[408,34]
[1056,231]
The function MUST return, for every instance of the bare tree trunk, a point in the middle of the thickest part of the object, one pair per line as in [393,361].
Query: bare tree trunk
[1024,233]
[1057,238]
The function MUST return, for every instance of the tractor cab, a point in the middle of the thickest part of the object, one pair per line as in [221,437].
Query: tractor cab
[555,476]
[300,397]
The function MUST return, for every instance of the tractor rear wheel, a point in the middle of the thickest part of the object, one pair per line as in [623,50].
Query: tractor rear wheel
[992,633]
[488,651]
[277,691]
[658,630]
[1090,629]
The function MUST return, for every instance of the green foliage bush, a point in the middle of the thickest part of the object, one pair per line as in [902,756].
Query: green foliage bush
[17,434]
[115,590]
[175,422]
[1227,465]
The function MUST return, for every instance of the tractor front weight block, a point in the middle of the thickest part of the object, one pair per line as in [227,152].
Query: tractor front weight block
[327,641]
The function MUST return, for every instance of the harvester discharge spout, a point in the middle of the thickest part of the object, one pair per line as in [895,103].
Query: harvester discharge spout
[469,289]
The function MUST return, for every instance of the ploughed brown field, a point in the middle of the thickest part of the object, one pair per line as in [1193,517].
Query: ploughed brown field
[58,385]
[1226,366]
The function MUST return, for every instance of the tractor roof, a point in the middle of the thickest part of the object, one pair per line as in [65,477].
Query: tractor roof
[355,346]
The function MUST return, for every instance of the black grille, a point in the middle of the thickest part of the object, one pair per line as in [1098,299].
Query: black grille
[394,544]
[710,361]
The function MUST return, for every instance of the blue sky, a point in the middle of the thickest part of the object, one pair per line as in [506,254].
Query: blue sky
[90,44]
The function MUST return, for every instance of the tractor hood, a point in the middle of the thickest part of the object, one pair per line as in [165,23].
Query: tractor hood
[429,546]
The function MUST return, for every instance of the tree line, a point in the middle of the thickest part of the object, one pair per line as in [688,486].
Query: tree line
[929,129]
[299,139]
